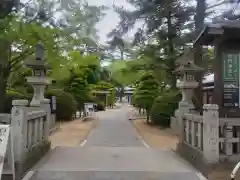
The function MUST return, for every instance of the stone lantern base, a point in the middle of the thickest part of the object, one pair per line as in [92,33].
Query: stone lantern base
[186,88]
[39,84]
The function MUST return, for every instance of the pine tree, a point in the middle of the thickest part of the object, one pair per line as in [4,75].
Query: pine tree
[164,22]
[145,93]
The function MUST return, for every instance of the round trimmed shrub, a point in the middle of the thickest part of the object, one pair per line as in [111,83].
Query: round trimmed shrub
[65,103]
[164,107]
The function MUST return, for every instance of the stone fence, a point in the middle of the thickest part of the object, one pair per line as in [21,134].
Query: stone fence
[30,130]
[207,140]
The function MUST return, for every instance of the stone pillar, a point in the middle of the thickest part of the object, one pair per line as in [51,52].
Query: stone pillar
[187,95]
[183,107]
[53,112]
[211,133]
[18,122]
[45,104]
[228,131]
[39,84]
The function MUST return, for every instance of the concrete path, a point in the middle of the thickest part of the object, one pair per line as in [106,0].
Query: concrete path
[113,129]
[113,152]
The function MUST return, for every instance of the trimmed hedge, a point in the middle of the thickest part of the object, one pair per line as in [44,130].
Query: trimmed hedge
[164,107]
[65,102]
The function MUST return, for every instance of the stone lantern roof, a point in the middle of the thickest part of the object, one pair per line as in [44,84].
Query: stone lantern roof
[37,62]
[189,67]
[185,64]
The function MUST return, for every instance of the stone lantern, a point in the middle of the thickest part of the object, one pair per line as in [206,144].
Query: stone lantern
[186,71]
[38,80]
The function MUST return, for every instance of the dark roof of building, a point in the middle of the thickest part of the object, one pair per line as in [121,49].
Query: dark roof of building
[216,28]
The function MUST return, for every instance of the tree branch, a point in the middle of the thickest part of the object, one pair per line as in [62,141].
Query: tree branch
[15,60]
[219,4]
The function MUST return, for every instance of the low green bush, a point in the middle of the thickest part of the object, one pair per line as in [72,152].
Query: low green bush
[100,106]
[65,103]
[164,107]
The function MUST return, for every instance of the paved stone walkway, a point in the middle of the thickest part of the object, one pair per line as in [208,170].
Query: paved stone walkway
[114,130]
[113,152]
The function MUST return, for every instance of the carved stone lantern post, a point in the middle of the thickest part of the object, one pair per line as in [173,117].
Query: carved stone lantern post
[38,80]
[187,83]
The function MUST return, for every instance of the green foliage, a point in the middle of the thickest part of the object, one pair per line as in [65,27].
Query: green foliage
[81,91]
[123,74]
[65,102]
[208,59]
[164,107]
[100,98]
[12,95]
[102,86]
[146,92]
[100,106]
[77,65]
[73,30]
[18,81]
[111,97]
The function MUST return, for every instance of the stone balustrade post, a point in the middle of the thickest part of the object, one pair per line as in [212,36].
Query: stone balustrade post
[183,107]
[211,133]
[45,104]
[18,122]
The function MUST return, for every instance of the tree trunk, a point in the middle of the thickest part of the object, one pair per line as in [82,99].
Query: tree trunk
[148,116]
[199,24]
[5,55]
[121,93]
[3,85]
[171,59]
[122,57]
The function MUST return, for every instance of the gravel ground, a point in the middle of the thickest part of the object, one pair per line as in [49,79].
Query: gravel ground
[71,134]
[156,137]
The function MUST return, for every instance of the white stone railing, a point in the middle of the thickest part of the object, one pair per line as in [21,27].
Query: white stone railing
[229,139]
[199,133]
[30,127]
[217,139]
[193,130]
[36,127]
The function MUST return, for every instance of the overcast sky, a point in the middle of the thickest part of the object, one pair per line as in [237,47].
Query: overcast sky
[111,19]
